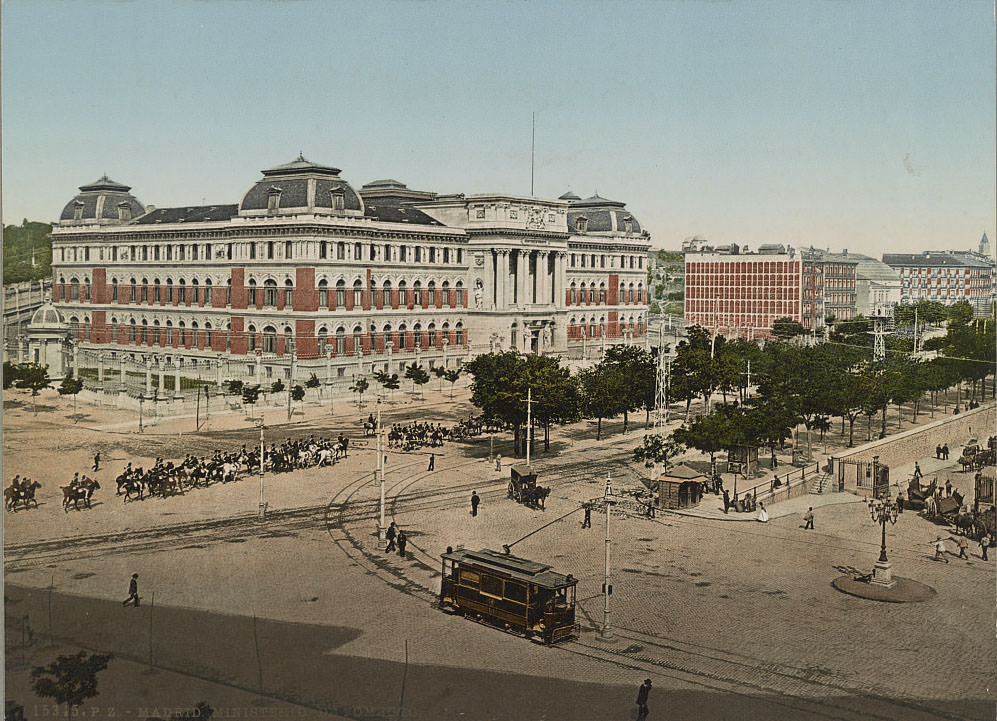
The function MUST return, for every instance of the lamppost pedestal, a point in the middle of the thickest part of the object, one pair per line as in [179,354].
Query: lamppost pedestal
[882,574]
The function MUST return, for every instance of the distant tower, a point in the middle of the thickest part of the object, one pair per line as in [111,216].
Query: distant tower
[985,248]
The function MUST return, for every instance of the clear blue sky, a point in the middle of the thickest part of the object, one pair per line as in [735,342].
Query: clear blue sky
[860,125]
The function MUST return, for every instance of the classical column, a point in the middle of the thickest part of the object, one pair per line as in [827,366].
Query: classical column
[503,280]
[162,376]
[543,283]
[559,280]
[522,276]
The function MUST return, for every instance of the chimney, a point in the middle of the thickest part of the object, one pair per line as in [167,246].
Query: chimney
[845,251]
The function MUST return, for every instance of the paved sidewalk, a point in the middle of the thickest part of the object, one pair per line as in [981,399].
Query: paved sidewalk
[712,507]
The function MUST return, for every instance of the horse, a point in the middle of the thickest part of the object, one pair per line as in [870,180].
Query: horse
[326,456]
[132,486]
[82,492]
[369,429]
[229,471]
[23,493]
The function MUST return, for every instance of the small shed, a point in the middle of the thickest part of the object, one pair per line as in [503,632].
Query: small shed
[681,487]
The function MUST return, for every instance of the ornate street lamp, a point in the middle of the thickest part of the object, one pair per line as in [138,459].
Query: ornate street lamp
[883,511]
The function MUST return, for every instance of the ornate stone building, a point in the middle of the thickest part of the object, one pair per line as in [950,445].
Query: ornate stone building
[307,267]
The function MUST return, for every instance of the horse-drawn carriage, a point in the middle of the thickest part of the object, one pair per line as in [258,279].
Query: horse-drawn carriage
[523,487]
[918,494]
[974,456]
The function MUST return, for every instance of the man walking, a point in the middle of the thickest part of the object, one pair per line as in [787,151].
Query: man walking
[132,591]
[726,500]
[945,452]
[432,461]
[642,693]
[940,550]
[96,462]
[917,472]
[402,541]
[390,535]
[808,519]
[948,488]
[498,462]
[963,545]
[984,545]
[587,523]
[475,500]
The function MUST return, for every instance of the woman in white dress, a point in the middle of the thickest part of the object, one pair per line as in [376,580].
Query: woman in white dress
[763,515]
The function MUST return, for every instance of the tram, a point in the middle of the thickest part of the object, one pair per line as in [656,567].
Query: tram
[516,594]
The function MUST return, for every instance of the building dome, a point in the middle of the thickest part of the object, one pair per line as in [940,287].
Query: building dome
[600,215]
[102,201]
[301,186]
[46,317]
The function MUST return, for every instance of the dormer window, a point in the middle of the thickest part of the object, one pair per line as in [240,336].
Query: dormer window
[338,198]
[628,225]
[581,224]
[78,210]
[273,199]
[124,211]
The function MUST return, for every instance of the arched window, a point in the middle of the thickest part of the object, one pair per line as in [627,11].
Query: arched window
[86,283]
[114,330]
[357,293]
[459,328]
[196,291]
[133,296]
[572,294]
[417,334]
[182,291]
[114,290]
[288,293]
[402,293]
[623,293]
[207,291]
[445,291]
[640,292]
[145,290]
[431,288]
[269,296]
[402,329]
[460,294]
[323,294]
[340,340]
[340,293]
[386,294]
[144,332]
[288,339]
[417,292]
[207,334]
[269,339]
[131,331]
[182,333]
[252,292]
[169,290]
[156,292]
[591,292]
[357,335]
[432,335]
[169,332]
[252,337]
[193,334]
[74,289]
[631,296]
[323,340]
[386,331]
[602,293]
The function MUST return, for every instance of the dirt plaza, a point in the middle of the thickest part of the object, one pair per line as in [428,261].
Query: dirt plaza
[306,612]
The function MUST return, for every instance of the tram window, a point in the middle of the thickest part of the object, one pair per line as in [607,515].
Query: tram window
[491,585]
[515,592]
[468,578]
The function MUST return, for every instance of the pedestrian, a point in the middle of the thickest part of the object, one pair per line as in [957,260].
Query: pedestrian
[963,545]
[642,693]
[132,591]
[938,452]
[763,515]
[917,472]
[775,461]
[900,501]
[390,535]
[96,462]
[402,541]
[808,519]
[940,550]
[945,452]
[475,500]
[587,523]
[726,500]
[984,545]
[498,462]
[432,461]
[948,488]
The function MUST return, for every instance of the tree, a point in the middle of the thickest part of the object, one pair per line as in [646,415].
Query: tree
[554,393]
[69,679]
[277,386]
[452,376]
[960,313]
[360,386]
[417,374]
[439,372]
[635,364]
[708,434]
[297,393]
[603,393]
[71,387]
[250,394]
[657,450]
[33,377]
[498,389]
[389,381]
[786,328]
[11,373]
[27,252]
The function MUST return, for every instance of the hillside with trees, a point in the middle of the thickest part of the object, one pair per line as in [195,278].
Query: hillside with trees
[27,252]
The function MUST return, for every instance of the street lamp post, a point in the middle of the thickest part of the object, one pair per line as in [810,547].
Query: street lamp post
[607,589]
[381,530]
[883,511]
[263,505]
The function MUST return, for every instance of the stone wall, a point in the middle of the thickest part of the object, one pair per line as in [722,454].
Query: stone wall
[907,446]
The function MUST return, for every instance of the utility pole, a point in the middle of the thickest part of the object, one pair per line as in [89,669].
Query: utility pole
[381,530]
[263,505]
[606,588]
[915,329]
[529,419]
[879,345]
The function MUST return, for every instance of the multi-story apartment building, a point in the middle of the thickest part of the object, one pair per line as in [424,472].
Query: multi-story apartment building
[944,276]
[306,266]
[828,287]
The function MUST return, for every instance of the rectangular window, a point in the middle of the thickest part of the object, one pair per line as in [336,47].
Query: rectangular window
[403,254]
[288,250]
[418,254]
[446,255]
[460,255]
[269,250]
[432,255]
[322,250]
[323,297]
[340,251]
[357,251]
[252,251]
[491,586]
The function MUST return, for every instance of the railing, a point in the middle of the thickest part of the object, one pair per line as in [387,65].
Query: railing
[787,489]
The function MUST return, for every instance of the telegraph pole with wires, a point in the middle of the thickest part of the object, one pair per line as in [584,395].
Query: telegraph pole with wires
[661,382]
[879,331]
